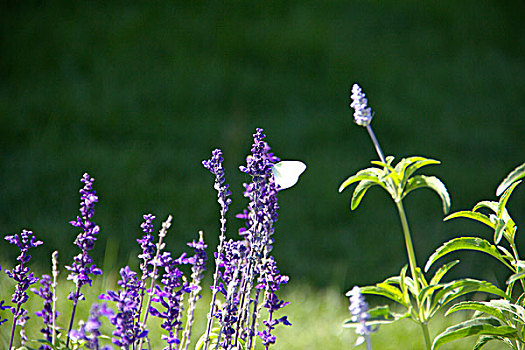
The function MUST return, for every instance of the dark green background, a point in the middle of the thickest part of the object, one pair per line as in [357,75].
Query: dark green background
[137,94]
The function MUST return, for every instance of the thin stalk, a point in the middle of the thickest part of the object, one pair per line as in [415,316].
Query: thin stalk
[376,143]
[413,265]
[368,342]
[13,331]
[54,261]
[77,294]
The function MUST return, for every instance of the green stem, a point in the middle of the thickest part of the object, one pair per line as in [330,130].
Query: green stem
[408,242]
[413,266]
[426,334]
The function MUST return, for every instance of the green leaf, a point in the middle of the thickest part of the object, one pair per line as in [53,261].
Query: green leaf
[484,219]
[442,271]
[455,289]
[477,326]
[371,174]
[415,163]
[386,290]
[432,182]
[466,243]
[378,316]
[487,204]
[480,306]
[505,197]
[483,340]
[360,191]
[512,177]
[499,230]
[516,276]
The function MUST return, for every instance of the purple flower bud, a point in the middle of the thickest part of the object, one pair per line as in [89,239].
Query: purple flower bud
[362,113]
[359,310]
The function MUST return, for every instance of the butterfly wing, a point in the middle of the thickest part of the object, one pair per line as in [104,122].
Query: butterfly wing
[286,173]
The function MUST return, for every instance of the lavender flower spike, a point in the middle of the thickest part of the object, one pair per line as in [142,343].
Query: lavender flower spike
[363,113]
[47,312]
[24,279]
[363,116]
[83,266]
[359,310]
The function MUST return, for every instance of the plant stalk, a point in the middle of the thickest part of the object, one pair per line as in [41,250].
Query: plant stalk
[413,265]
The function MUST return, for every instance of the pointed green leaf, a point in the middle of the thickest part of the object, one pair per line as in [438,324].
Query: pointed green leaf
[471,215]
[360,191]
[487,204]
[415,164]
[505,197]
[477,326]
[455,289]
[480,306]
[516,276]
[499,231]
[442,271]
[512,177]
[466,243]
[378,316]
[432,182]
[385,290]
[371,174]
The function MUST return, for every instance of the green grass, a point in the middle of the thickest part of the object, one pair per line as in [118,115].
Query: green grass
[317,316]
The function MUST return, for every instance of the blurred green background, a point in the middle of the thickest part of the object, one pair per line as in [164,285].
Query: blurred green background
[138,93]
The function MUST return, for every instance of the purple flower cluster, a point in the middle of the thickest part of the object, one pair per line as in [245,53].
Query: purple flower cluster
[170,297]
[24,279]
[359,310]
[240,263]
[147,246]
[126,320]
[83,266]
[362,113]
[47,312]
[270,281]
[90,330]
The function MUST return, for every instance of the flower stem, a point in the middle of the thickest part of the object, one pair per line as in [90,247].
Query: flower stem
[413,266]
[376,143]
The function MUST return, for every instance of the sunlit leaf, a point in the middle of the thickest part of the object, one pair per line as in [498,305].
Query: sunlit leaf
[466,243]
[370,174]
[480,306]
[516,276]
[360,191]
[416,163]
[512,177]
[455,289]
[471,215]
[475,327]
[442,271]
[505,197]
[385,290]
[487,204]
[432,182]
[378,316]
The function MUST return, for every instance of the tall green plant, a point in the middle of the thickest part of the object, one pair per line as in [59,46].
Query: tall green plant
[502,319]
[420,297]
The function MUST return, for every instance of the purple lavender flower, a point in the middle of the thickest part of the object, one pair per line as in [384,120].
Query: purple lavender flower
[47,312]
[362,113]
[83,266]
[126,321]
[147,245]
[270,281]
[170,296]
[23,277]
[3,307]
[359,310]
[89,331]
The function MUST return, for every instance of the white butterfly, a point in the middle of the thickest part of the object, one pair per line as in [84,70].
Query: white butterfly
[286,173]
